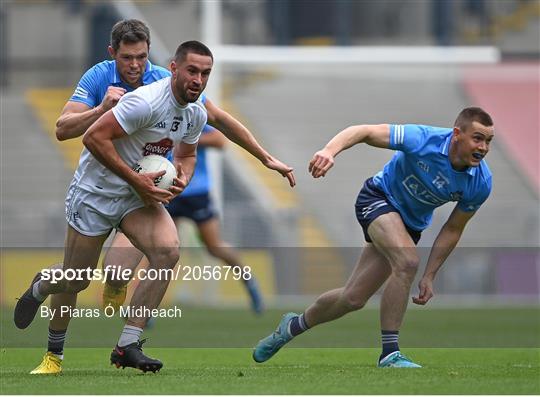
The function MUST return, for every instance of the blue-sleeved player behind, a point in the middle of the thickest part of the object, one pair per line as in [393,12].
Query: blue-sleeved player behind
[431,167]
[195,203]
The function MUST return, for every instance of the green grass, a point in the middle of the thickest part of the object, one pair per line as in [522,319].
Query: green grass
[208,351]
[292,371]
[514,327]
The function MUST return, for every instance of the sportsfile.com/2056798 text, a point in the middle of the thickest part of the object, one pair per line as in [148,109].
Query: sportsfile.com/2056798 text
[180,272]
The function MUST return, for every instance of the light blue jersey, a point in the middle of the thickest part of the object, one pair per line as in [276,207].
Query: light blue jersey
[200,182]
[420,178]
[94,83]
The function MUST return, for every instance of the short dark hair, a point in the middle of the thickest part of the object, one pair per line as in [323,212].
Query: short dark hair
[192,46]
[468,115]
[129,31]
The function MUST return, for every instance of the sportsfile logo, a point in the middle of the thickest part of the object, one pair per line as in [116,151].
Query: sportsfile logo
[181,272]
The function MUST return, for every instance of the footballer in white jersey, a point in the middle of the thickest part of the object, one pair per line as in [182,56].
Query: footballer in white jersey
[150,120]
[154,122]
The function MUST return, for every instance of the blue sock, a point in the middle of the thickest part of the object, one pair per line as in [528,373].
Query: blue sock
[297,325]
[254,294]
[252,285]
[389,342]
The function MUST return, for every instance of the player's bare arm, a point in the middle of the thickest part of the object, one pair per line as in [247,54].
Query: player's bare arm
[77,117]
[239,134]
[214,139]
[185,158]
[99,141]
[374,135]
[444,244]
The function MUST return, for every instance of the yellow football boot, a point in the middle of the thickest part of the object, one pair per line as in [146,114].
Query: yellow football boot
[51,365]
[114,297]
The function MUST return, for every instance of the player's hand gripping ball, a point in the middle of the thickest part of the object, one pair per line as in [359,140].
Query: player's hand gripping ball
[156,163]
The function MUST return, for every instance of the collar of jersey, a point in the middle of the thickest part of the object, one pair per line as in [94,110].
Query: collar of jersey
[117,81]
[445,146]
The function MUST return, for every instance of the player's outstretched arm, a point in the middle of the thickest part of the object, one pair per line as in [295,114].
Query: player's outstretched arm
[213,139]
[374,135]
[99,141]
[239,134]
[77,117]
[444,244]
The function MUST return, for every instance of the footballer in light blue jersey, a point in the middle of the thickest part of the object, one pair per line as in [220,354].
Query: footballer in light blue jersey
[195,203]
[200,182]
[420,177]
[94,83]
[432,166]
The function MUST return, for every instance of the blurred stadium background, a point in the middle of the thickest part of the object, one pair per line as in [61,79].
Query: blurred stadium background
[395,61]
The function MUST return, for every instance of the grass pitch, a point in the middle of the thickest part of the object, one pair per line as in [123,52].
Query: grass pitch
[291,371]
[208,351]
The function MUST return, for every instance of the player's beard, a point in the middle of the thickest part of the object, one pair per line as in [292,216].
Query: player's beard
[191,97]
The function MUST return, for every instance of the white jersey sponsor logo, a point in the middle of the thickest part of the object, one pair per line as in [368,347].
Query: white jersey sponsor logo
[160,148]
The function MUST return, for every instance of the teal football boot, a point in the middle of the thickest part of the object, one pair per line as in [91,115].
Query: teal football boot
[270,345]
[397,360]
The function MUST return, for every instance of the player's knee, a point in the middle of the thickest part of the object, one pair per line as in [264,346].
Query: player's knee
[172,257]
[352,301]
[165,257]
[75,286]
[217,252]
[214,251]
[407,266]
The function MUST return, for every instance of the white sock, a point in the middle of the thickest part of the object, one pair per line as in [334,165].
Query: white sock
[35,292]
[130,334]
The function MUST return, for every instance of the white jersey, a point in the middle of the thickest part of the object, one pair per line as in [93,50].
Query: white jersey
[153,121]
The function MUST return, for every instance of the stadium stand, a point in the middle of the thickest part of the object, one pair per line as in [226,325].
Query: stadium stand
[294,111]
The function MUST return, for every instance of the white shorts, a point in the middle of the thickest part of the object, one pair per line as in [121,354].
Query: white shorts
[92,214]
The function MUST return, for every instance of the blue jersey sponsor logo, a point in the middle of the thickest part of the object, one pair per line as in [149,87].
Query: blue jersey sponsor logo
[420,192]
